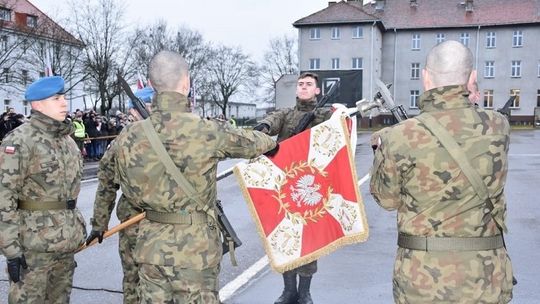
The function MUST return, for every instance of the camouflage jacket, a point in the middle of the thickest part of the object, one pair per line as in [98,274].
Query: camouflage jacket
[106,194]
[283,121]
[195,145]
[40,162]
[414,174]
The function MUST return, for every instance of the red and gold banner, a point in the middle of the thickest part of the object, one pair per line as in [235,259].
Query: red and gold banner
[305,200]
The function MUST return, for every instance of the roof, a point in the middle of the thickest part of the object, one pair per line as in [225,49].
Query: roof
[46,27]
[340,12]
[399,14]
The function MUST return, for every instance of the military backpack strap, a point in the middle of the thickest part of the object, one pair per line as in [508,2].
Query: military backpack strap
[173,170]
[461,159]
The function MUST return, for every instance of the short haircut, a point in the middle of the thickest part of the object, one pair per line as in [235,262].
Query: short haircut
[166,70]
[449,63]
[310,74]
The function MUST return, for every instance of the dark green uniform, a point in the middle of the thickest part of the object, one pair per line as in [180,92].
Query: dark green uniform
[179,262]
[414,174]
[41,165]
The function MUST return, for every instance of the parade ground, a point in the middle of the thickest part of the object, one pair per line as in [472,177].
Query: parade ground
[360,273]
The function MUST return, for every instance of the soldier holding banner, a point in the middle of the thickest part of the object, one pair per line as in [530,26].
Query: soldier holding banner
[445,172]
[283,123]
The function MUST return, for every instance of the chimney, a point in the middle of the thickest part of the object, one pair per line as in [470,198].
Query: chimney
[469,6]
[330,3]
[379,5]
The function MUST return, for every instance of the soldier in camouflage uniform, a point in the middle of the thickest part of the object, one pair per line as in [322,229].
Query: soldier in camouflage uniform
[282,123]
[104,204]
[40,226]
[450,243]
[178,247]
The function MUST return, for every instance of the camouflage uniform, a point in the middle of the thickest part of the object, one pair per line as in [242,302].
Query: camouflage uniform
[179,263]
[45,166]
[282,123]
[414,174]
[103,206]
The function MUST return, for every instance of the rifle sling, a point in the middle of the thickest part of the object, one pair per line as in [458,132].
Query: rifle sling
[448,142]
[173,170]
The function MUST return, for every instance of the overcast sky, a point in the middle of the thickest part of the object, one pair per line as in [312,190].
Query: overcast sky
[246,23]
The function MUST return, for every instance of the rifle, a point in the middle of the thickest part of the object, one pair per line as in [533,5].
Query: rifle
[309,117]
[506,109]
[230,238]
[137,103]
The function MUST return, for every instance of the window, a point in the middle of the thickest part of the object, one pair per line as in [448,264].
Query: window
[4,44]
[517,39]
[465,38]
[440,38]
[335,63]
[31,21]
[488,99]
[489,70]
[6,105]
[538,98]
[490,40]
[335,33]
[416,41]
[24,76]
[6,77]
[414,99]
[5,14]
[415,70]
[314,64]
[25,107]
[516,69]
[315,33]
[515,92]
[357,63]
[358,32]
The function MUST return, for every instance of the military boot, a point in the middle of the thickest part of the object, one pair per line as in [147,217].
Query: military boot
[289,294]
[304,297]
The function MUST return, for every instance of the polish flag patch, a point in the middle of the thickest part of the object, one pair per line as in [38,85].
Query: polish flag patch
[10,150]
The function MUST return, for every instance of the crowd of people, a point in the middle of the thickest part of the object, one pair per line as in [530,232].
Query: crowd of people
[93,132]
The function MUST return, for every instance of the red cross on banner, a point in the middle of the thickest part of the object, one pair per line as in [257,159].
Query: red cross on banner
[305,200]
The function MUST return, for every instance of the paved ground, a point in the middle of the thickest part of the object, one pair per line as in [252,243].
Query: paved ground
[355,274]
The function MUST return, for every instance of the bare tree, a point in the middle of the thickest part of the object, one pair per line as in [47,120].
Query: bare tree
[230,71]
[279,59]
[108,47]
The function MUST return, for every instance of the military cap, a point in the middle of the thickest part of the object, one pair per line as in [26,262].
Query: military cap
[144,94]
[44,88]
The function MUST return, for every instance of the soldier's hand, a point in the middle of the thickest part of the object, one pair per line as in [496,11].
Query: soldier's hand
[262,128]
[272,152]
[14,268]
[93,235]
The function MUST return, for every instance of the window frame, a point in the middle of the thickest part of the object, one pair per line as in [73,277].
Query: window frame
[517,39]
[488,99]
[415,70]
[440,38]
[336,33]
[358,30]
[491,40]
[488,67]
[465,37]
[33,23]
[515,69]
[518,98]
[315,33]
[413,99]
[5,14]
[355,65]
[314,64]
[416,42]
[335,63]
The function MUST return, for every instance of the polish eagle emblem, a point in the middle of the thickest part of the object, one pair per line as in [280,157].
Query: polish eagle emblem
[306,191]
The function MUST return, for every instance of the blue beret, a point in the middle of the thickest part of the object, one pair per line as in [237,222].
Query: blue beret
[144,94]
[44,88]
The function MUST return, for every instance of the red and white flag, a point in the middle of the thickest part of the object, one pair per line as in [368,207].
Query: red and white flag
[48,66]
[305,199]
[140,82]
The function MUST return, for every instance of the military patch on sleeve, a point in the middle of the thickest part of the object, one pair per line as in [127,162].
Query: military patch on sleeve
[9,150]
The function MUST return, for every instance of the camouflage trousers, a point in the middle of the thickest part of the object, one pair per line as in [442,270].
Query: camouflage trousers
[306,270]
[48,279]
[127,242]
[175,285]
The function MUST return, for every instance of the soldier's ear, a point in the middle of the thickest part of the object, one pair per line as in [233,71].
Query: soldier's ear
[317,91]
[426,80]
